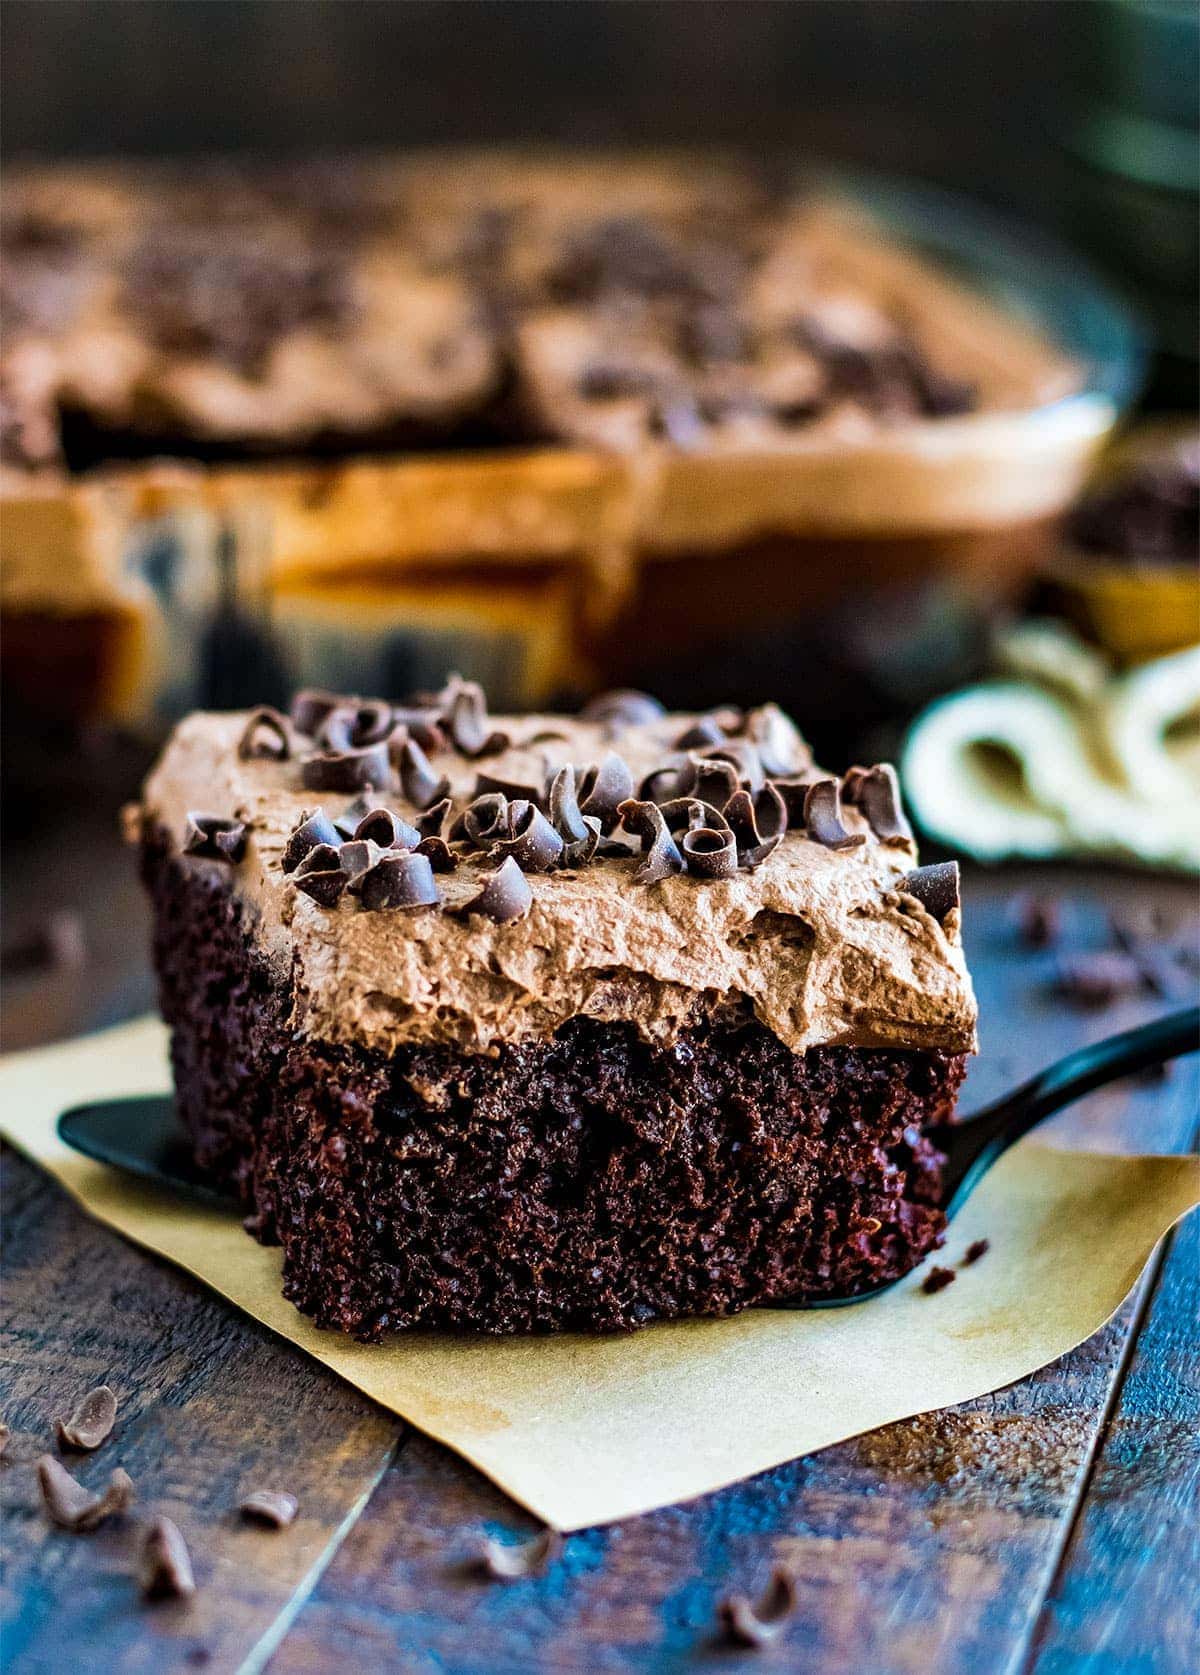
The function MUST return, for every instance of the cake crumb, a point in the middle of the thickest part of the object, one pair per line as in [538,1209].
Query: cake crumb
[937,1279]
[978,1248]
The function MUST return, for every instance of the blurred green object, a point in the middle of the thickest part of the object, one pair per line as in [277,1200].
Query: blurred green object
[1138,139]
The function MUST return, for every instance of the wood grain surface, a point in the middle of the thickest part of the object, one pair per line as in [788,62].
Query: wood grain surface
[1049,1526]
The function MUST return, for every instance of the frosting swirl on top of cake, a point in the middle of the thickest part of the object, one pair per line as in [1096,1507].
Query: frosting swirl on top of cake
[688,866]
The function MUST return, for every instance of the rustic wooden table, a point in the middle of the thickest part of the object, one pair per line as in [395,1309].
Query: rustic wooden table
[1048,1527]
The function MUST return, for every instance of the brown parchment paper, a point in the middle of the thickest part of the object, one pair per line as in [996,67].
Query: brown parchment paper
[584,1430]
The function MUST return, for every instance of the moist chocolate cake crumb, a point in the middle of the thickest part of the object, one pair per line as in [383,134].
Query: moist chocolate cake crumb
[937,1279]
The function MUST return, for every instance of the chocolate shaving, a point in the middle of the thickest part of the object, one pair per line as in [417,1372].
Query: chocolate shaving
[690,813]
[710,853]
[505,897]
[760,1622]
[823,817]
[310,707]
[937,1279]
[673,779]
[705,731]
[315,830]
[976,1249]
[533,842]
[90,1422]
[351,817]
[660,853]
[74,1507]
[564,808]
[352,726]
[215,837]
[265,737]
[774,735]
[877,792]
[165,1565]
[421,726]
[516,790]
[713,781]
[505,1563]
[483,822]
[385,828]
[430,821]
[757,822]
[603,788]
[745,761]
[418,781]
[438,853]
[320,874]
[794,791]
[356,858]
[274,1508]
[467,722]
[398,879]
[622,707]
[347,770]
[935,887]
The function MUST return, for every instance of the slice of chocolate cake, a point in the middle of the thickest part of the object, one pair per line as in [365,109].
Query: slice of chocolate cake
[519,1024]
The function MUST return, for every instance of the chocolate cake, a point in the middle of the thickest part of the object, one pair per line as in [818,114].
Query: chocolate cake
[518,1024]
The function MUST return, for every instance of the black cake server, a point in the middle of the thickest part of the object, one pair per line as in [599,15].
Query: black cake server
[141,1136]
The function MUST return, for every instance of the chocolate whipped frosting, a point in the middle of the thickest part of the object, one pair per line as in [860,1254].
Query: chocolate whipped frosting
[823,946]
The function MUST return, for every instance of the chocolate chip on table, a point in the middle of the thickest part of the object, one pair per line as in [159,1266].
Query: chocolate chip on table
[1037,919]
[315,829]
[215,837]
[517,1563]
[265,737]
[937,1279]
[936,887]
[758,1623]
[504,898]
[274,1508]
[74,1507]
[1094,981]
[603,788]
[91,1420]
[660,853]
[347,770]
[976,1249]
[165,1565]
[710,852]
[823,817]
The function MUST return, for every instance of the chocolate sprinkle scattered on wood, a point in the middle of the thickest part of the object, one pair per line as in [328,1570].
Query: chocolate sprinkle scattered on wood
[265,737]
[215,837]
[273,1508]
[91,1420]
[519,1562]
[937,1279]
[72,1506]
[759,1623]
[165,1565]
[504,898]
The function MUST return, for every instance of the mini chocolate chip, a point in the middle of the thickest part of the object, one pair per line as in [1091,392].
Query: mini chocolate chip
[398,879]
[703,732]
[774,735]
[505,897]
[314,829]
[622,707]
[385,828]
[757,822]
[215,837]
[762,1621]
[349,820]
[823,817]
[165,1565]
[438,853]
[505,1563]
[274,1508]
[532,842]
[430,821]
[418,781]
[91,1420]
[660,853]
[483,822]
[935,887]
[310,707]
[516,790]
[877,792]
[710,853]
[347,770]
[467,723]
[74,1507]
[603,788]
[976,1249]
[265,736]
[937,1279]
[1094,981]
[320,874]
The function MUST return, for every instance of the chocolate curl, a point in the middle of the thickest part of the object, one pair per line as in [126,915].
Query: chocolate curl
[215,837]
[399,879]
[347,822]
[320,875]
[580,835]
[420,725]
[621,708]
[603,788]
[347,770]
[823,817]
[438,853]
[689,814]
[357,858]
[351,726]
[165,1566]
[794,790]
[418,781]
[505,898]
[774,735]
[516,790]
[710,853]
[673,779]
[532,842]
[660,854]
[266,737]
[314,829]
[877,792]
[937,888]
[760,1622]
[430,821]
[744,759]
[386,829]
[310,707]
[72,1506]
[704,732]
[758,824]
[713,781]
[467,722]
[483,822]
